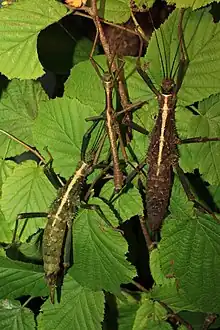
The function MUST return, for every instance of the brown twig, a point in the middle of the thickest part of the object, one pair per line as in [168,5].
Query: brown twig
[210,318]
[175,316]
[122,89]
[148,240]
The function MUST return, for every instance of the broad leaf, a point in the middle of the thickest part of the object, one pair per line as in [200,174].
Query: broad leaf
[127,311]
[6,169]
[126,205]
[60,126]
[205,155]
[180,207]
[20,24]
[129,204]
[116,11]
[144,314]
[15,316]
[83,76]
[19,279]
[98,251]
[79,308]
[173,297]
[5,233]
[190,249]
[18,110]
[201,36]
[26,190]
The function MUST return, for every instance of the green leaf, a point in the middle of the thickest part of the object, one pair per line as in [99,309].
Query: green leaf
[79,308]
[15,316]
[196,320]
[20,25]
[61,125]
[166,289]
[201,36]
[155,268]
[140,141]
[6,169]
[195,4]
[127,311]
[144,314]
[19,279]
[180,207]
[99,251]
[146,3]
[18,111]
[61,45]
[192,247]
[83,76]
[33,248]
[205,155]
[172,296]
[26,190]
[82,50]
[116,11]
[158,325]
[79,83]
[5,233]
[147,312]
[110,215]
[129,204]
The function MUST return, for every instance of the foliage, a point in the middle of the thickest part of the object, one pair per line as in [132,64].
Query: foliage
[181,276]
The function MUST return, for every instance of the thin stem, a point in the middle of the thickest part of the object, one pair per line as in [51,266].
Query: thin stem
[210,318]
[139,286]
[177,318]
[148,240]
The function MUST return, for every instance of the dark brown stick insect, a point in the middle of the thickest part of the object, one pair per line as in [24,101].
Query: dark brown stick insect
[56,243]
[162,155]
[113,124]
[112,81]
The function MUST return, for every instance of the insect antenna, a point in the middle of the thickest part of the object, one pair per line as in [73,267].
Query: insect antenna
[182,47]
[143,36]
[164,68]
[48,170]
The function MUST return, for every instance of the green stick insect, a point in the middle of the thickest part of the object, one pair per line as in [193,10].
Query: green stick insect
[56,243]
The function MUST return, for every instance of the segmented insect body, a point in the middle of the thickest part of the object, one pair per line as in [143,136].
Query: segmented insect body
[162,155]
[60,219]
[112,129]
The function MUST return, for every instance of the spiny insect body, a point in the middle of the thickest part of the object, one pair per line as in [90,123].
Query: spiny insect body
[60,218]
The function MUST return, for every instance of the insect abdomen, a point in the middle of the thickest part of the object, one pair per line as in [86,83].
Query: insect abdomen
[158,193]
[162,155]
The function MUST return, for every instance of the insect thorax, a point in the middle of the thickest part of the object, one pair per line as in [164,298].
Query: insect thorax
[108,80]
[168,86]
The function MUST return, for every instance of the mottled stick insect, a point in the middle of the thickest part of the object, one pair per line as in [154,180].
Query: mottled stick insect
[162,155]
[56,243]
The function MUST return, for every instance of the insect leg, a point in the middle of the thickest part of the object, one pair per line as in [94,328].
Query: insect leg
[100,213]
[184,60]
[198,140]
[68,246]
[189,194]
[26,216]
[86,139]
[146,78]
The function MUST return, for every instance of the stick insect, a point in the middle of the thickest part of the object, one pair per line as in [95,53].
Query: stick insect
[162,155]
[111,79]
[56,241]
